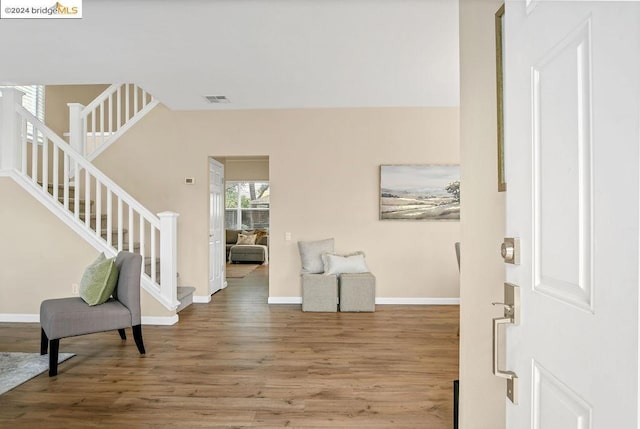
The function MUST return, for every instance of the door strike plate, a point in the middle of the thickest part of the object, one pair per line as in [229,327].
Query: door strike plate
[510,250]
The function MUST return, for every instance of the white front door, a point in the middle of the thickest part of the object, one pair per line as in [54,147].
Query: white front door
[571,139]
[217,251]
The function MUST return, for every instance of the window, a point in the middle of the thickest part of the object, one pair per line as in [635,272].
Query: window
[33,101]
[246,205]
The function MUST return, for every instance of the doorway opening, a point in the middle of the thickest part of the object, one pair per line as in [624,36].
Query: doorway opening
[239,222]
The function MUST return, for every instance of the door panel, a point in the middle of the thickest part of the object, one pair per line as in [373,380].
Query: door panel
[572,122]
[217,251]
[555,405]
[561,112]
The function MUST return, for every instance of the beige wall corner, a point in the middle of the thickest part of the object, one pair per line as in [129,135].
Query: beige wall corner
[41,256]
[324,174]
[56,111]
[482,395]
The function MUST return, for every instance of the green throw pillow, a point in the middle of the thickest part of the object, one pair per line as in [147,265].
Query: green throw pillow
[99,280]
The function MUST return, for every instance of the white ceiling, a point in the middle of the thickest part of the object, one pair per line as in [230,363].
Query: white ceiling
[259,53]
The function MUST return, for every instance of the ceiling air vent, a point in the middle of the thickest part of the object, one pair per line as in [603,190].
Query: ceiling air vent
[217,99]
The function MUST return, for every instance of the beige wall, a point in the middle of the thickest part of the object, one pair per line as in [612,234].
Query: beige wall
[482,396]
[41,256]
[245,168]
[324,174]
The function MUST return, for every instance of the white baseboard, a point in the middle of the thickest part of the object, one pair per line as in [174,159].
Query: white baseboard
[201,299]
[284,300]
[418,301]
[164,320]
[381,301]
[20,318]
[35,318]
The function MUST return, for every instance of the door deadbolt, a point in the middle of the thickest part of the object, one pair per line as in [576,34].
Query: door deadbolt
[510,250]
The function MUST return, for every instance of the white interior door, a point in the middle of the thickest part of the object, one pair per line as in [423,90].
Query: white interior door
[571,141]
[217,251]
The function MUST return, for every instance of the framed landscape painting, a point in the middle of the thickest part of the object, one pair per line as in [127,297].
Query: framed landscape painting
[419,192]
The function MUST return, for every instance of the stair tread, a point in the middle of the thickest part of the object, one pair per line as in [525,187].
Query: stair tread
[60,185]
[114,231]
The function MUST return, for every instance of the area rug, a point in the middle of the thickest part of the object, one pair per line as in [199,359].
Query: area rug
[16,368]
[238,271]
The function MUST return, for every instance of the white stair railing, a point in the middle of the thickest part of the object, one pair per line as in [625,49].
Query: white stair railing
[95,127]
[92,204]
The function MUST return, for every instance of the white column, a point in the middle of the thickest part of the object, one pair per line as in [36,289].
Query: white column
[169,256]
[10,151]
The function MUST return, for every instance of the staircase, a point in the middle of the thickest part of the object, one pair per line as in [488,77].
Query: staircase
[95,127]
[89,202]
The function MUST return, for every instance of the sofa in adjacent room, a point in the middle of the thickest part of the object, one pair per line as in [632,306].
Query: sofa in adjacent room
[247,245]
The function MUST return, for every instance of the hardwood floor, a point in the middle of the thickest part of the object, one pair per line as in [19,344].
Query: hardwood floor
[239,362]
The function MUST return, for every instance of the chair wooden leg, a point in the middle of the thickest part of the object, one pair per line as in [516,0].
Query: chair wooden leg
[137,336]
[54,345]
[44,342]
[123,335]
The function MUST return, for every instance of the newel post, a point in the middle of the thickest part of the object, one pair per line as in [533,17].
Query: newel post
[169,255]
[10,151]
[77,136]
[76,128]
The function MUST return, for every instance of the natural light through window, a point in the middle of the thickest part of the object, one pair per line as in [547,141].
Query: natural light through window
[246,205]
[33,101]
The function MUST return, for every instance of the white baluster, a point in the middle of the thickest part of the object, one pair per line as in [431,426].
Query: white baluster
[130,229]
[142,246]
[135,99]
[65,180]
[102,113]
[110,114]
[169,255]
[93,131]
[45,163]
[109,217]
[118,109]
[87,198]
[152,259]
[126,102]
[76,190]
[23,151]
[55,178]
[120,240]
[98,211]
[34,156]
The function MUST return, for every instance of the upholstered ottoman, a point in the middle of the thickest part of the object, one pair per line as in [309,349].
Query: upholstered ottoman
[357,292]
[319,292]
[248,253]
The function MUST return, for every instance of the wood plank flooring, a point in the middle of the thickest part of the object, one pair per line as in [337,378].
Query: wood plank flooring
[240,363]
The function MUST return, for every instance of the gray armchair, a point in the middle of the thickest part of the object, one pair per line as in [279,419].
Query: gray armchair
[70,317]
